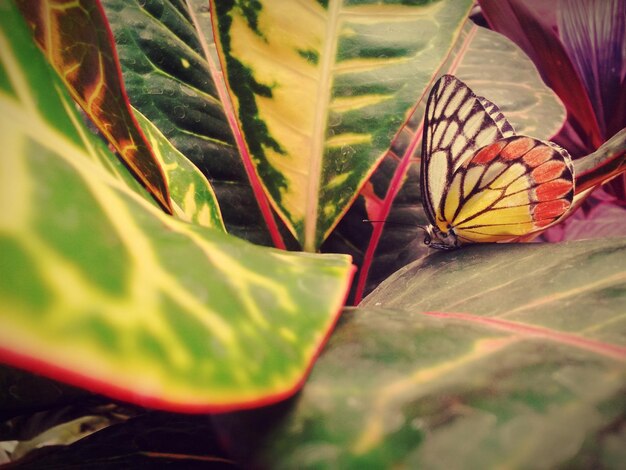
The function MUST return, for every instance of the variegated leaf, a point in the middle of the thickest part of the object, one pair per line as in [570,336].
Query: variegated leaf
[493,67]
[77,41]
[192,196]
[320,88]
[501,356]
[100,288]
[165,50]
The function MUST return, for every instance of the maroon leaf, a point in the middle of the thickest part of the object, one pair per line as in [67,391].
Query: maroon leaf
[594,34]
[90,69]
[521,22]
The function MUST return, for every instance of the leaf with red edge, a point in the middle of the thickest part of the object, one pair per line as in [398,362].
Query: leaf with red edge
[524,23]
[167,58]
[493,356]
[102,289]
[594,34]
[77,41]
[319,88]
[393,195]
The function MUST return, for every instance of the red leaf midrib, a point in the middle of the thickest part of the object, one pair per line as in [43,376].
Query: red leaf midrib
[526,330]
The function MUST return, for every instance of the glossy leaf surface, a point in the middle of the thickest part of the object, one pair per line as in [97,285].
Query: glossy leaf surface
[193,198]
[320,88]
[490,356]
[493,67]
[164,51]
[77,41]
[102,289]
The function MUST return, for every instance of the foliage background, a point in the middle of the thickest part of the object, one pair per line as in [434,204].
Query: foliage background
[537,357]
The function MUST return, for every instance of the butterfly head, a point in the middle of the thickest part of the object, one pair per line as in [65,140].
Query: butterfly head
[442,240]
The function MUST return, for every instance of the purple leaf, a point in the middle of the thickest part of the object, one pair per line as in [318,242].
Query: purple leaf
[527,25]
[593,34]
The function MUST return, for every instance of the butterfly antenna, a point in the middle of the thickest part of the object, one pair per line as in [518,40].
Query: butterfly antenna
[390,222]
[427,230]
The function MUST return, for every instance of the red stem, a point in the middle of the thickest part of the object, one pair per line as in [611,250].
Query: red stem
[396,181]
[257,187]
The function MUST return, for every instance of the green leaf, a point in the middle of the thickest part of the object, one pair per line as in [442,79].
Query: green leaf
[192,196]
[102,289]
[496,68]
[493,67]
[162,50]
[320,88]
[500,356]
[77,42]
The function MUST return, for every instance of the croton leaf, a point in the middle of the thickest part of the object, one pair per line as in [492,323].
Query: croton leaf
[77,41]
[190,195]
[487,357]
[493,67]
[193,198]
[320,88]
[102,289]
[165,55]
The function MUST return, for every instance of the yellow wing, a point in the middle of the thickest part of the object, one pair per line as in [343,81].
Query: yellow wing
[508,189]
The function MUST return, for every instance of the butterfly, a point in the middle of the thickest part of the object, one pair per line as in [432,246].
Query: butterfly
[480,182]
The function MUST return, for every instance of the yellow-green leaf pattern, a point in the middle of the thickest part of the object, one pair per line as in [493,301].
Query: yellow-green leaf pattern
[320,88]
[494,356]
[192,196]
[100,288]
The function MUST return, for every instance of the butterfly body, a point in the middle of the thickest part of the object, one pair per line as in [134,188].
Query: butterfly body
[480,181]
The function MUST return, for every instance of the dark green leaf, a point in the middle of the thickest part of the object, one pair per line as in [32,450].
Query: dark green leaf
[487,357]
[103,290]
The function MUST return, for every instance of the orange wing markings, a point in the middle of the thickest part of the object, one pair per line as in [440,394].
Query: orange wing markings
[517,148]
[480,181]
[555,189]
[538,155]
[546,212]
[488,153]
[524,185]
[548,171]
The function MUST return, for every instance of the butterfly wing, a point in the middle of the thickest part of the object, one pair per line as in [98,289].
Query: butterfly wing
[457,124]
[508,189]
